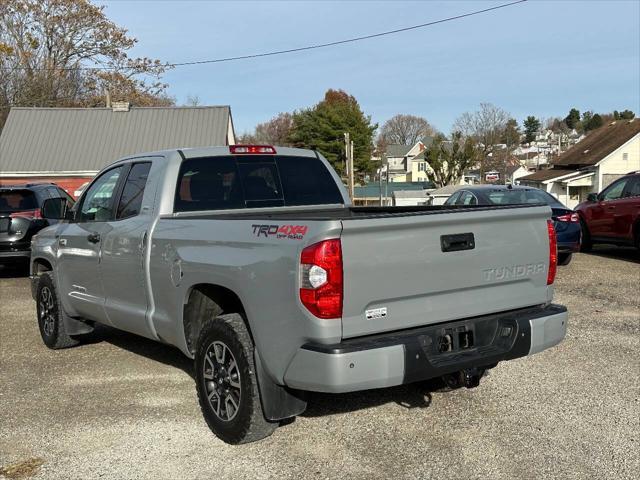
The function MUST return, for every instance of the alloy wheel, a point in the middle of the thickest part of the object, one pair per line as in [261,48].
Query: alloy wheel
[47,311]
[222,381]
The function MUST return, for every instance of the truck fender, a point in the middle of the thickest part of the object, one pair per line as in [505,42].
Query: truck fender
[278,402]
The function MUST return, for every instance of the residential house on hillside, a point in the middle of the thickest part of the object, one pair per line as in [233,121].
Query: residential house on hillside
[399,159]
[68,146]
[589,166]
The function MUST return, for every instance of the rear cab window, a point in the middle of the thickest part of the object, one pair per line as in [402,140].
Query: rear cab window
[254,181]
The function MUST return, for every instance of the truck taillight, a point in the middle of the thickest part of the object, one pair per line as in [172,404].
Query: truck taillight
[252,149]
[569,217]
[553,253]
[321,278]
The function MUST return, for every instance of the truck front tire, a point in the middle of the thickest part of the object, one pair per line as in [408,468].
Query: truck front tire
[50,319]
[226,381]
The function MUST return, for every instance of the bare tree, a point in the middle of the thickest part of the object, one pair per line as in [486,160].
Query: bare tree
[273,132]
[48,51]
[404,130]
[448,160]
[193,101]
[486,126]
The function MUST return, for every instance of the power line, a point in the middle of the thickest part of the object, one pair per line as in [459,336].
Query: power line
[300,49]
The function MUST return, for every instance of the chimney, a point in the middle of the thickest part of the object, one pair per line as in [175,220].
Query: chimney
[120,106]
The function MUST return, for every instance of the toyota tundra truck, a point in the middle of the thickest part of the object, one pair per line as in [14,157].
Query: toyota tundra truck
[253,262]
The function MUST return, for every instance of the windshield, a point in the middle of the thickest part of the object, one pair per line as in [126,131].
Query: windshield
[518,197]
[17,201]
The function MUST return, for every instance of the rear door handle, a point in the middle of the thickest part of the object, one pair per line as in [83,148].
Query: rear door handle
[93,237]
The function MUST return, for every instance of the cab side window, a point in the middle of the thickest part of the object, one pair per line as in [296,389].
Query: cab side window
[614,191]
[633,187]
[133,191]
[98,202]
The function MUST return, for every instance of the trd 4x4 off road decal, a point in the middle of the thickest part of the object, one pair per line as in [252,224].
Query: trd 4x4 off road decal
[295,232]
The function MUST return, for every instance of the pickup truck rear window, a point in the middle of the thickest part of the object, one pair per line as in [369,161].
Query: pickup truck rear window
[232,182]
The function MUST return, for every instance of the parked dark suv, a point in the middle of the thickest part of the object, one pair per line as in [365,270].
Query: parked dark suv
[613,215]
[20,217]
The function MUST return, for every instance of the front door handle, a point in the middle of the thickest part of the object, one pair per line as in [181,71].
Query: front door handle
[93,237]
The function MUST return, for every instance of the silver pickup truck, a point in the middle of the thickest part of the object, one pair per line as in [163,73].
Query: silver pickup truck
[252,261]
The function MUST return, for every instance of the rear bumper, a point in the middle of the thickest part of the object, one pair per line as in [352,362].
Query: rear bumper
[407,356]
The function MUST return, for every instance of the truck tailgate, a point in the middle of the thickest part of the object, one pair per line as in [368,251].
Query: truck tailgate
[398,274]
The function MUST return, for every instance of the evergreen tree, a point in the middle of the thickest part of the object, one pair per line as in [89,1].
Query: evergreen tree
[627,115]
[323,127]
[511,135]
[573,119]
[531,127]
[594,122]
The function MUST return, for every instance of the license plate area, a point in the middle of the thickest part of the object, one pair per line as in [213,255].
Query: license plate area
[466,339]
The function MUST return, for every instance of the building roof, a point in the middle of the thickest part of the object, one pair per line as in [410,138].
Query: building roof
[600,143]
[511,169]
[548,174]
[371,190]
[410,194]
[397,150]
[86,139]
[447,190]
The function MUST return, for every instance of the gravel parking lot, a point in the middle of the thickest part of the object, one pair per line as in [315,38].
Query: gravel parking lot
[123,407]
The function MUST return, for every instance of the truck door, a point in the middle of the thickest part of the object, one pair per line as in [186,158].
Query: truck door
[124,248]
[79,248]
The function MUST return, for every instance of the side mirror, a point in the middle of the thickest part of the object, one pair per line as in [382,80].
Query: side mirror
[55,209]
[592,197]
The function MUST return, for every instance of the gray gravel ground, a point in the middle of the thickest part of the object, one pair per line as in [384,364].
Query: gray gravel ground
[123,407]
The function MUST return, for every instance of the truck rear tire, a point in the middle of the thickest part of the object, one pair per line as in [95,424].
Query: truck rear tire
[226,381]
[50,320]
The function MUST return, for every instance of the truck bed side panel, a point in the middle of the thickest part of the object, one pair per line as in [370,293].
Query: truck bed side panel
[262,270]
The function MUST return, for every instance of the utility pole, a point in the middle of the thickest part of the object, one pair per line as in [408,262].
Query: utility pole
[348,150]
[107,99]
[346,158]
[380,180]
[351,179]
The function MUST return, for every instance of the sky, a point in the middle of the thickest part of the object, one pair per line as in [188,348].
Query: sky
[538,58]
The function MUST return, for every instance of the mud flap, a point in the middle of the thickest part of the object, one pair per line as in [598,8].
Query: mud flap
[278,402]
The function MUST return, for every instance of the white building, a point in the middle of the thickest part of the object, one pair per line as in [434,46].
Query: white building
[589,166]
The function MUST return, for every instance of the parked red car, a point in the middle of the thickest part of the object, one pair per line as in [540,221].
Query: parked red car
[613,215]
